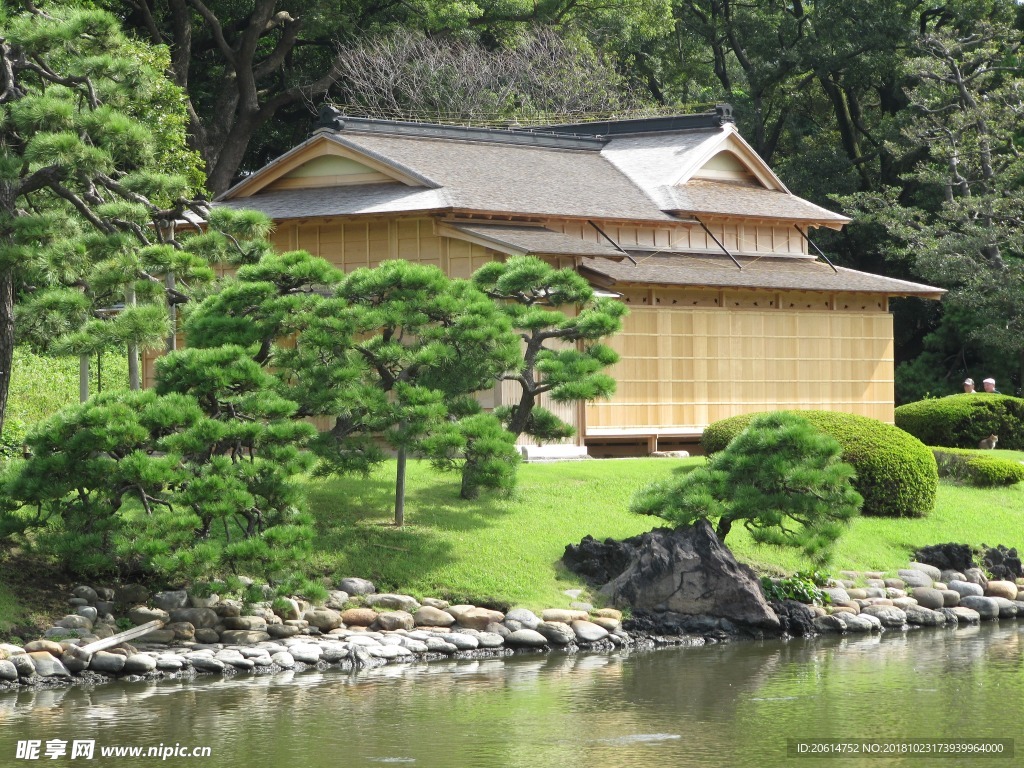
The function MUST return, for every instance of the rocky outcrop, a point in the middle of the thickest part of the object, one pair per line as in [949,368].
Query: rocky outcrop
[1002,563]
[687,576]
[947,557]
[599,562]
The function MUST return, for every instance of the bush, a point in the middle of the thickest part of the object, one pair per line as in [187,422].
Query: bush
[781,478]
[12,441]
[978,469]
[896,473]
[802,587]
[961,421]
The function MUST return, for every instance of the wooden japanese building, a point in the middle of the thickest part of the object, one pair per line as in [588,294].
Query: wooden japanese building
[731,309]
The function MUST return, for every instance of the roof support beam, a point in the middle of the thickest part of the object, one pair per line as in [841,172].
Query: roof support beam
[614,244]
[815,247]
[719,243]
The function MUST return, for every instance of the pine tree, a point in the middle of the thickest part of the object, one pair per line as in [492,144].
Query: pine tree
[93,175]
[561,323]
[780,478]
[419,344]
[190,480]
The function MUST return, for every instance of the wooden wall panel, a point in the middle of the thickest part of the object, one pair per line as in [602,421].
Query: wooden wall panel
[684,368]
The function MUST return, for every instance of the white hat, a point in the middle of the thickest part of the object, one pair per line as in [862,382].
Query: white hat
[989,381]
[969,381]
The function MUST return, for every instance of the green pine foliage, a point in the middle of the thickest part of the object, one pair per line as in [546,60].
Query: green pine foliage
[480,449]
[896,472]
[188,481]
[389,357]
[418,343]
[961,421]
[561,323]
[780,478]
[95,172]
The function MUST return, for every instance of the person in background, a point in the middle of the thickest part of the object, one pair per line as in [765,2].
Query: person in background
[969,386]
[990,386]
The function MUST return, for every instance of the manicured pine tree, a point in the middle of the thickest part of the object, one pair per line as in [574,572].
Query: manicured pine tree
[391,356]
[421,343]
[780,478]
[190,480]
[94,173]
[561,323]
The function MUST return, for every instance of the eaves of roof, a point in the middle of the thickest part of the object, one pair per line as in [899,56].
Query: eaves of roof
[769,272]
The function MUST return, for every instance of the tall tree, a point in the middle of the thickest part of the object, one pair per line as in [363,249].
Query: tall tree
[240,65]
[93,168]
[957,215]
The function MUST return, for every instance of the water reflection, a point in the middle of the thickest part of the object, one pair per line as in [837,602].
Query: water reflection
[728,705]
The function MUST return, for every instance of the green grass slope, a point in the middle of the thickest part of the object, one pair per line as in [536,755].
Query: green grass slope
[508,550]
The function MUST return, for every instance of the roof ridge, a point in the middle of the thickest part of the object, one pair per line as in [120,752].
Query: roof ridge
[592,135]
[333,122]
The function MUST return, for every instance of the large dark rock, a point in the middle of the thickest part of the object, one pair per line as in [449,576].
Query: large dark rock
[795,618]
[947,557]
[599,562]
[1004,564]
[689,572]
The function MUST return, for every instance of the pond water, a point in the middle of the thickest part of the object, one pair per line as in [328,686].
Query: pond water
[730,705]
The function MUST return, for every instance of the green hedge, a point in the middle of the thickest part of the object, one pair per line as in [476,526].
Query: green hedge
[896,473]
[978,469]
[961,421]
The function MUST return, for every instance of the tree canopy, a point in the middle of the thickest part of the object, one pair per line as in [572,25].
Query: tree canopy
[94,172]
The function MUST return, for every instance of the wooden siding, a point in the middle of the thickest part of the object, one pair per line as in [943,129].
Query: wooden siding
[741,238]
[685,368]
[349,245]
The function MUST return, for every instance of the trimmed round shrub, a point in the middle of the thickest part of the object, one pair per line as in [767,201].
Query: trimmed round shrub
[978,469]
[896,472]
[961,421]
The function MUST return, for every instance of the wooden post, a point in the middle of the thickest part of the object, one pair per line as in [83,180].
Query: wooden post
[86,651]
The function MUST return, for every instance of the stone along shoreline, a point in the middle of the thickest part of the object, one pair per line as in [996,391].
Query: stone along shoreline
[359,628]
[356,628]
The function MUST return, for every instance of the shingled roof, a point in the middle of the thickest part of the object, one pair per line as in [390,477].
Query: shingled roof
[509,178]
[633,170]
[772,273]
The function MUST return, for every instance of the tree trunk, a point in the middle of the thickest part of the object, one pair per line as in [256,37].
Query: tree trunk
[7,208]
[172,313]
[6,338]
[470,490]
[521,417]
[400,488]
[83,378]
[134,384]
[724,526]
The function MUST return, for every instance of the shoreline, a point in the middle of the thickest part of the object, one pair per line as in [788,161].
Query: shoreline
[642,641]
[176,634]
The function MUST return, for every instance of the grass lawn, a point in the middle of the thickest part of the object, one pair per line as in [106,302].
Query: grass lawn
[503,550]
[508,550]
